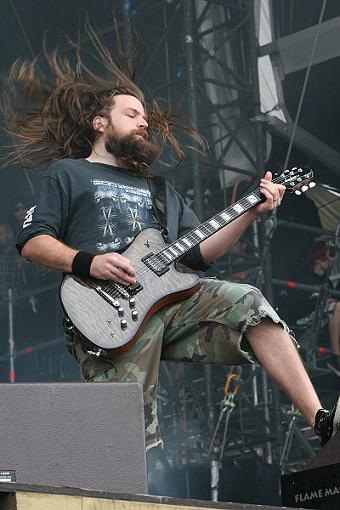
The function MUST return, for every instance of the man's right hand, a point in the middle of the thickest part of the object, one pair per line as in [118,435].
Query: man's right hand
[113,266]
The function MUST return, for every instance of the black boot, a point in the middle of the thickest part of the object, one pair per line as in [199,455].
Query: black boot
[327,423]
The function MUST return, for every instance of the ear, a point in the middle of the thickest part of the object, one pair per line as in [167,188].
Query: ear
[99,123]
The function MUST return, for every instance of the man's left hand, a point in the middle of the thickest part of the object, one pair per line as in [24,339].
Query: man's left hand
[273,193]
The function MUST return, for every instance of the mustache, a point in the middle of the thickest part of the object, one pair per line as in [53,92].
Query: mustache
[141,132]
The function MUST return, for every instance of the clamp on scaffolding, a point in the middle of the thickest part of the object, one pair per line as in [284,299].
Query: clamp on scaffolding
[227,406]
[293,430]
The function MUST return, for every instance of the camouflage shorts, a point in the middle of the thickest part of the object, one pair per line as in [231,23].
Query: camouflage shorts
[208,327]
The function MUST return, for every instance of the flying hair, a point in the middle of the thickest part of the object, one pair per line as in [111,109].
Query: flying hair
[49,115]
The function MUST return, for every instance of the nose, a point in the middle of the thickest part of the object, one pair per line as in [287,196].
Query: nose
[143,123]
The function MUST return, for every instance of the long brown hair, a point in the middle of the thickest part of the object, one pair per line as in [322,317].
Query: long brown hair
[49,117]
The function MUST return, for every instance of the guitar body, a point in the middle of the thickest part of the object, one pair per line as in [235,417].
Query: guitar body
[100,320]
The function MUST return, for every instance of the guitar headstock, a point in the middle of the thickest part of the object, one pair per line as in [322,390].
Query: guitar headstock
[297,180]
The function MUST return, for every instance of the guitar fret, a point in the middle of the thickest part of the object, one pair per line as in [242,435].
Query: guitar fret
[179,247]
[238,208]
[167,256]
[214,223]
[192,239]
[162,258]
[199,234]
[208,230]
[252,199]
[187,242]
[226,217]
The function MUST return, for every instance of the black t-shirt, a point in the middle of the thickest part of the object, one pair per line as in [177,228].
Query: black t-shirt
[93,207]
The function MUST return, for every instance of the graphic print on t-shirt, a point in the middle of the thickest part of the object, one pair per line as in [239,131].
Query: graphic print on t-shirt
[123,212]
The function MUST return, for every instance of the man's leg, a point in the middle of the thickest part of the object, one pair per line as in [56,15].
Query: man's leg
[139,364]
[275,351]
[230,323]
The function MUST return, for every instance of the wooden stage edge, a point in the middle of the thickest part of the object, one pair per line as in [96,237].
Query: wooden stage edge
[35,497]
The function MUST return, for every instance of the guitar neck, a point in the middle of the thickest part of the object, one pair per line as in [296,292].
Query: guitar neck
[197,235]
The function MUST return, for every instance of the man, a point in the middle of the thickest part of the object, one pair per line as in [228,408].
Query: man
[19,214]
[319,258]
[92,205]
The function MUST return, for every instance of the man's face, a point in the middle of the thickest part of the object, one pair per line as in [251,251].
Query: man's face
[20,211]
[127,116]
[125,134]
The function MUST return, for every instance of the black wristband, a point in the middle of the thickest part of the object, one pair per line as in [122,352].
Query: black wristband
[81,264]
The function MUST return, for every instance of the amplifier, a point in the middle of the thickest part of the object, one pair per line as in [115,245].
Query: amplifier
[312,488]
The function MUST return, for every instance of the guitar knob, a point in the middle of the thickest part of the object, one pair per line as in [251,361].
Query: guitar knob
[134,315]
[132,302]
[123,324]
[120,312]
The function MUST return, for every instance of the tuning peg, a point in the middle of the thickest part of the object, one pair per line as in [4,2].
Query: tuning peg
[298,192]
[300,170]
[312,184]
[304,188]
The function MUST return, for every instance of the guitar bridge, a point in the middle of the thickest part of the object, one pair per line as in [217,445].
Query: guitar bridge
[133,289]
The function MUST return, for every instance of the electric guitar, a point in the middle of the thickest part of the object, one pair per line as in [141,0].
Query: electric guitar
[111,316]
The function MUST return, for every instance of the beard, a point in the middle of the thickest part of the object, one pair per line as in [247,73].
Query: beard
[132,151]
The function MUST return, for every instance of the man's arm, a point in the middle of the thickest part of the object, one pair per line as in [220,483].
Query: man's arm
[220,242]
[49,252]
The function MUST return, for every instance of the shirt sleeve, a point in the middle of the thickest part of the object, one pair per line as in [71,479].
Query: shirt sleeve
[188,221]
[49,215]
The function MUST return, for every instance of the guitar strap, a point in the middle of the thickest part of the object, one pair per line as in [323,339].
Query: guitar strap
[157,185]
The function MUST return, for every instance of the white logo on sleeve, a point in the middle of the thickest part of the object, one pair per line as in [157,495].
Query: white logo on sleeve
[28,217]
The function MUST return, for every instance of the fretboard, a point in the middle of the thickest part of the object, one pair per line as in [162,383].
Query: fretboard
[178,248]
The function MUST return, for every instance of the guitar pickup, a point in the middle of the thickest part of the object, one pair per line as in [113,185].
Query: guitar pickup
[133,289]
[155,264]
